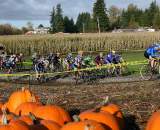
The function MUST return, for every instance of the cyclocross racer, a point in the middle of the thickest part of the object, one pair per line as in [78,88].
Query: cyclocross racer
[109,58]
[88,61]
[151,53]
[99,60]
[78,61]
[39,68]
[68,61]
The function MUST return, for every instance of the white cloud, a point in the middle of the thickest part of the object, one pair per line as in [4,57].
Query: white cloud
[40,9]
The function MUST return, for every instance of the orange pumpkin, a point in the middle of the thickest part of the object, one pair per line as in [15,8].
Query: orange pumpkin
[84,125]
[35,123]
[26,108]
[53,113]
[26,119]
[1,106]
[20,97]
[45,125]
[15,125]
[154,122]
[101,117]
[50,125]
[115,111]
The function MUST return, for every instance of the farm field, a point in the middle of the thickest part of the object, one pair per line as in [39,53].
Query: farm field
[64,43]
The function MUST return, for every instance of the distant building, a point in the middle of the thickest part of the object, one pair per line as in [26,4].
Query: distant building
[39,30]
[151,30]
[146,29]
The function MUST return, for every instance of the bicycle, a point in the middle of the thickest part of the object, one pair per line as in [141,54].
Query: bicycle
[147,72]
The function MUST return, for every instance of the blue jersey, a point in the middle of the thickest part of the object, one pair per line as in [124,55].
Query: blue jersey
[152,51]
[112,58]
[109,58]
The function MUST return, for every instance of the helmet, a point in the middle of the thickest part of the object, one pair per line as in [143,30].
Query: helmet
[101,54]
[156,46]
[113,52]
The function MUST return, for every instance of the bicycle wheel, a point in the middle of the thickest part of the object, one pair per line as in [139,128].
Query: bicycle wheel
[146,72]
[157,68]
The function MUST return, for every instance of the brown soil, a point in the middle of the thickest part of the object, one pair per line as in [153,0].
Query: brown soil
[137,99]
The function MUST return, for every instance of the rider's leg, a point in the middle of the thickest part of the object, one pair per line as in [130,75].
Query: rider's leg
[68,67]
[152,63]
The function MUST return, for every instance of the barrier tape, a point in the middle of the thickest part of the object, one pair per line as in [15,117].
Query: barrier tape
[79,70]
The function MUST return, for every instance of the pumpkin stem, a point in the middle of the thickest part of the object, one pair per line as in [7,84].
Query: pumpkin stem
[103,103]
[4,117]
[76,118]
[34,119]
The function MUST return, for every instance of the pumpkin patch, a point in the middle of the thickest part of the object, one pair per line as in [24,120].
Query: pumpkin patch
[24,111]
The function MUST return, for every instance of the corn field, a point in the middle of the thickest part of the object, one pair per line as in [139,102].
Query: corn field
[64,43]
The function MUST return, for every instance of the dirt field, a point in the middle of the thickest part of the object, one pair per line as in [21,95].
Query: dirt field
[137,99]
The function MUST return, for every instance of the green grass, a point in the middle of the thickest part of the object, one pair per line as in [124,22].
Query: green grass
[133,57]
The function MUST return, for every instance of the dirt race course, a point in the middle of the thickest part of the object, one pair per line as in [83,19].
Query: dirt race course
[136,99]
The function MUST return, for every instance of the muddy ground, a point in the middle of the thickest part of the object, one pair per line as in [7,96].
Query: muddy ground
[136,99]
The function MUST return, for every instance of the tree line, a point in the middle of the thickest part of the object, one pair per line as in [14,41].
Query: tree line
[103,19]
[7,29]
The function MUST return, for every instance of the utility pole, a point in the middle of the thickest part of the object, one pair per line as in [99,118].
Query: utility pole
[99,29]
[83,27]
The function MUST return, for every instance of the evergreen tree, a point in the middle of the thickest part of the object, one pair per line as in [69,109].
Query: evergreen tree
[40,26]
[100,15]
[59,23]
[52,21]
[151,12]
[131,16]
[69,26]
[156,21]
[83,22]
[132,23]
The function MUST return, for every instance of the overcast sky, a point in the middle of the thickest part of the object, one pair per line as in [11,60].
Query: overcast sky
[31,10]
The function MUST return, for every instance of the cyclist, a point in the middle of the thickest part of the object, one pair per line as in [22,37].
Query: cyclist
[68,61]
[3,57]
[10,63]
[20,60]
[88,61]
[108,59]
[57,62]
[39,67]
[50,57]
[99,59]
[117,59]
[78,61]
[151,53]
[35,58]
